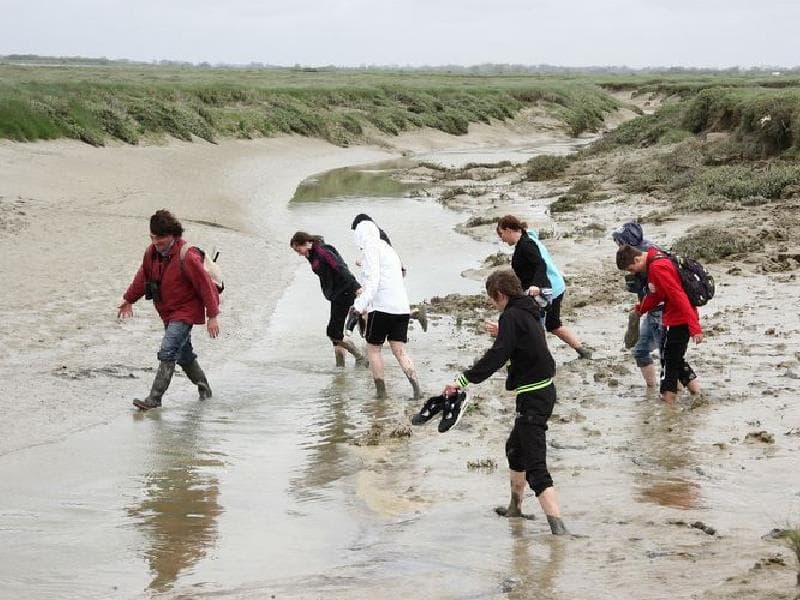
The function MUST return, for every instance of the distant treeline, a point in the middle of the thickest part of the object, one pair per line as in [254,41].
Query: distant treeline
[481,69]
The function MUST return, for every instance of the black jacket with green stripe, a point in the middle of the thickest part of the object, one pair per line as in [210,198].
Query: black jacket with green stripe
[520,338]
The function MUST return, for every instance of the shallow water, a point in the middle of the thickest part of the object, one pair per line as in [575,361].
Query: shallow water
[289,483]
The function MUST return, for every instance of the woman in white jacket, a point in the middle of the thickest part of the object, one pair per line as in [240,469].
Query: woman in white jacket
[383,298]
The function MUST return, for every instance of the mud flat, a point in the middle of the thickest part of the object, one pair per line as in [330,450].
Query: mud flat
[297,459]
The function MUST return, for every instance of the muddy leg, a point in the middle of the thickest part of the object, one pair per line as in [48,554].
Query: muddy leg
[549,503]
[349,346]
[650,375]
[569,338]
[518,484]
[376,368]
[340,353]
[404,360]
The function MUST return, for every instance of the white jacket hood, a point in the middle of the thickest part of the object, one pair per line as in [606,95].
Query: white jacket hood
[366,233]
[382,285]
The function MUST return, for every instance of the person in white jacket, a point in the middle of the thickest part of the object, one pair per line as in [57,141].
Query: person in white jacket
[383,298]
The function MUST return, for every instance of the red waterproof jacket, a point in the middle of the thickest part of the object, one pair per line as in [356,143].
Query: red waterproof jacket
[187,294]
[664,285]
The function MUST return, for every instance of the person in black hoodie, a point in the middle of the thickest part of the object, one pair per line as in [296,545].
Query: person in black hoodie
[338,286]
[520,340]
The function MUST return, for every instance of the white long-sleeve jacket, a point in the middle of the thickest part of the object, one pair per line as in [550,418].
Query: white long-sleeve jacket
[382,285]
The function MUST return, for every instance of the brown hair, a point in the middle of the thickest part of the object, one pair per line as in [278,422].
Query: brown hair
[511,222]
[626,256]
[164,222]
[503,281]
[301,237]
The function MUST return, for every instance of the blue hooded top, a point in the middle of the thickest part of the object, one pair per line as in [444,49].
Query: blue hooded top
[557,283]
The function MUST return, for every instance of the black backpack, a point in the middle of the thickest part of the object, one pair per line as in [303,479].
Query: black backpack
[697,282]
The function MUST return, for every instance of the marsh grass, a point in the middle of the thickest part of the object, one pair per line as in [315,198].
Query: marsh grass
[545,166]
[97,103]
[714,243]
[764,121]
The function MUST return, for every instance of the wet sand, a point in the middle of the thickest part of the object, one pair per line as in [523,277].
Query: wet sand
[294,481]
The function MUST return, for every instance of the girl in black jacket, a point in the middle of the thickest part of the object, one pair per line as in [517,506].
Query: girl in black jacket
[520,339]
[338,286]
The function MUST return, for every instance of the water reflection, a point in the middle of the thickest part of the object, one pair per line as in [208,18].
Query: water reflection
[348,182]
[532,578]
[181,501]
[664,478]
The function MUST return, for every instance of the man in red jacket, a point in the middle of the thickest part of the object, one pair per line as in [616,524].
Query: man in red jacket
[183,295]
[680,318]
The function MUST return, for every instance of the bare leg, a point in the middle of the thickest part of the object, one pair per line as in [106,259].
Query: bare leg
[549,503]
[569,338]
[650,374]
[376,368]
[694,387]
[404,360]
[340,354]
[518,483]
[668,397]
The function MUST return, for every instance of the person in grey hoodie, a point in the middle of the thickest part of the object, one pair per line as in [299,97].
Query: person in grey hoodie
[644,333]
[384,300]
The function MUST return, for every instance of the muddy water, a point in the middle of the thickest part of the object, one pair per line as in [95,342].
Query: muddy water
[294,481]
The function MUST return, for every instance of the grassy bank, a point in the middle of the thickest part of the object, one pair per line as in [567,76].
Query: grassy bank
[95,104]
[762,122]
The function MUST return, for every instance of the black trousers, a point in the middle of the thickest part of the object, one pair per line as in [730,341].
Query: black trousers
[674,367]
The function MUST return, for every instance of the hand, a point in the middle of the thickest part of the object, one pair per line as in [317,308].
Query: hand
[634,308]
[491,328]
[125,310]
[358,292]
[451,389]
[213,327]
[533,291]
[697,338]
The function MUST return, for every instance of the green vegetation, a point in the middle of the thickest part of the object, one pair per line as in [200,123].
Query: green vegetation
[95,103]
[581,192]
[764,122]
[714,243]
[545,166]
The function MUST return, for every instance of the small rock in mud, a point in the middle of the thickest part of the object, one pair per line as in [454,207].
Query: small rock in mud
[760,436]
[401,431]
[703,527]
[488,464]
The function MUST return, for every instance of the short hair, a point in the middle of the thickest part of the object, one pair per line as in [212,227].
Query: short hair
[503,281]
[164,222]
[511,222]
[626,256]
[301,237]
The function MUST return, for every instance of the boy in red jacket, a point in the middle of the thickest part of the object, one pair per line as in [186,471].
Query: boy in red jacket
[680,318]
[183,295]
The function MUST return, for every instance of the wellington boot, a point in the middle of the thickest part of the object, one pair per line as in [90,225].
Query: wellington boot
[166,369]
[339,358]
[198,377]
[415,387]
[380,388]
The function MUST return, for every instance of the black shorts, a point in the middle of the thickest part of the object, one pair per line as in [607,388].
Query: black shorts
[339,310]
[552,314]
[382,326]
[526,447]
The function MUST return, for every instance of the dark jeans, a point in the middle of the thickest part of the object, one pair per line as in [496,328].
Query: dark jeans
[674,367]
[176,345]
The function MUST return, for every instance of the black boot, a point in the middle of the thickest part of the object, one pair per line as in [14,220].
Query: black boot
[160,384]
[198,377]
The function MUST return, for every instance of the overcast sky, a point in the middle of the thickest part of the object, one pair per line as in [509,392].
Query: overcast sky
[638,33]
